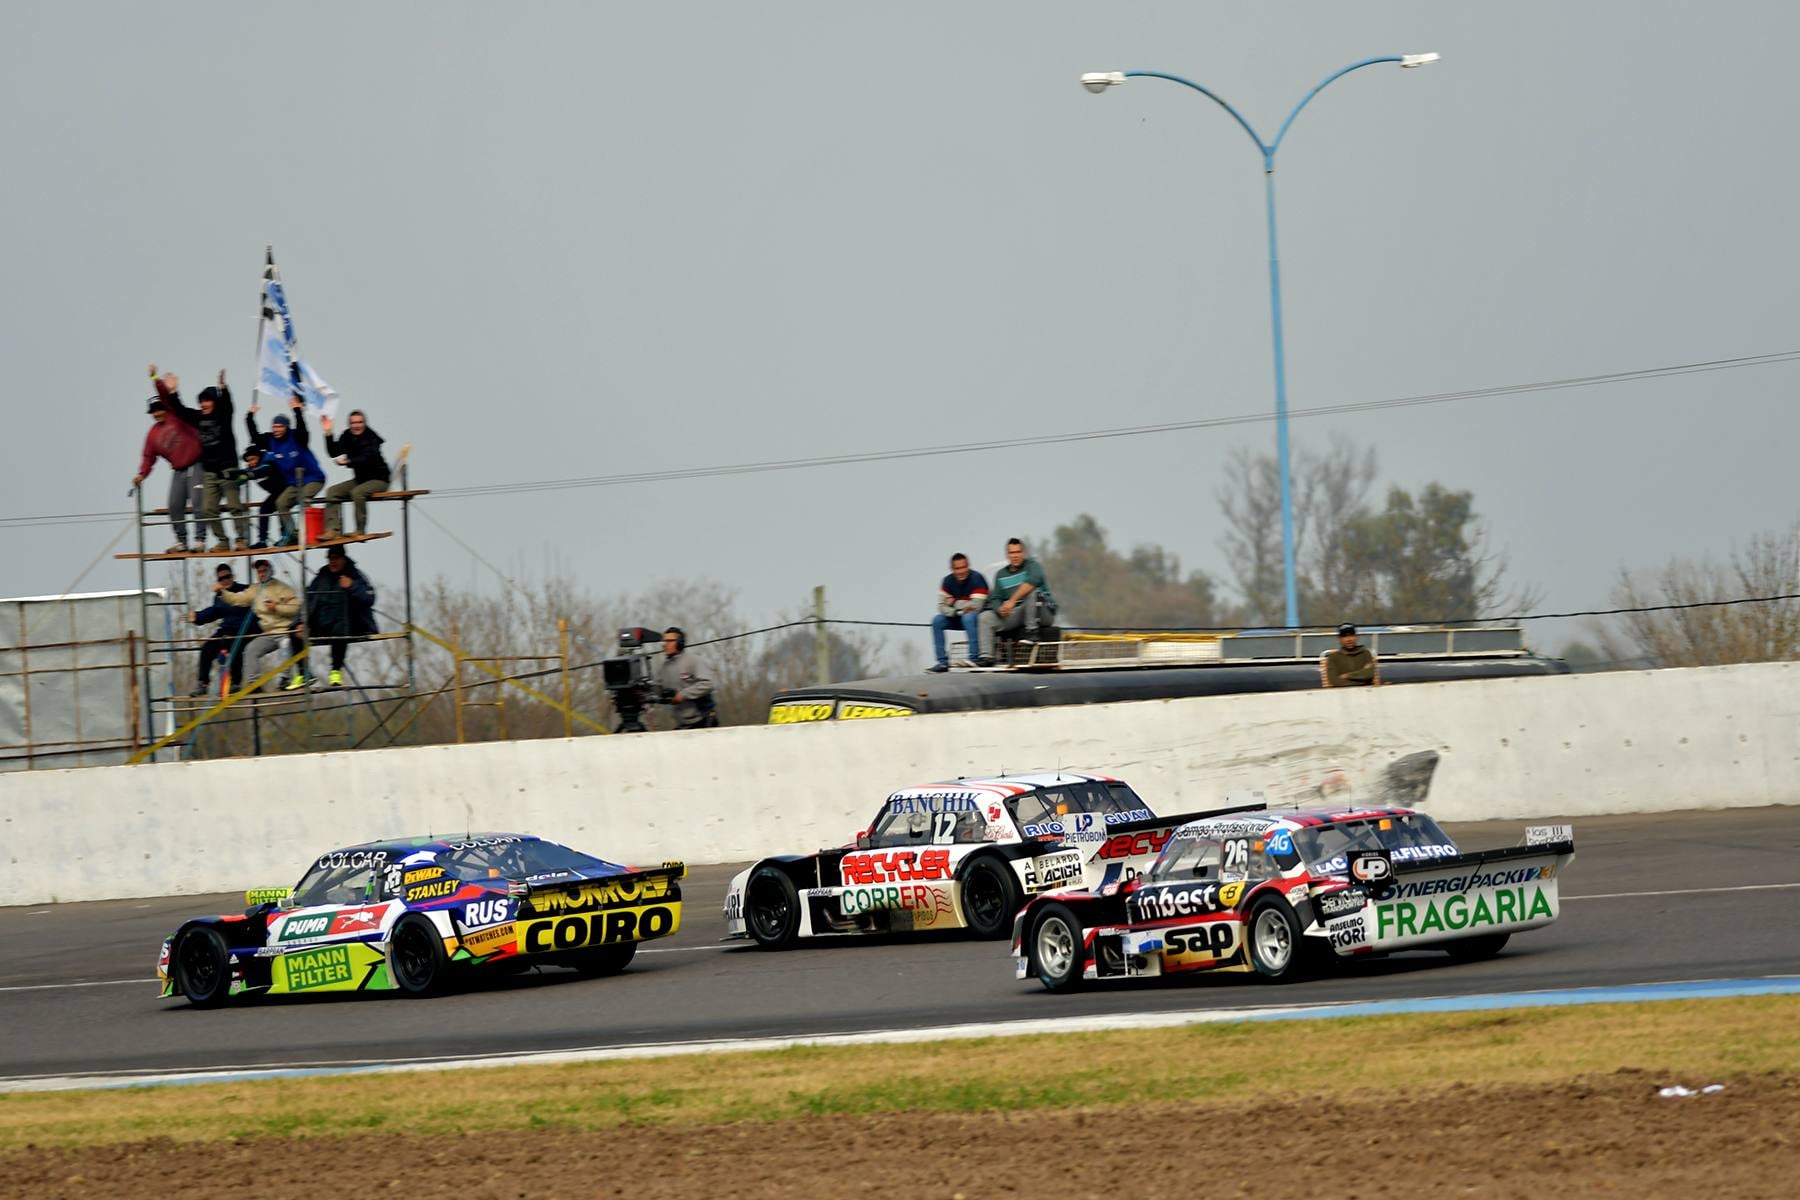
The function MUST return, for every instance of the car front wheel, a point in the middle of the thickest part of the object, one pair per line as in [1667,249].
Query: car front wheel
[202,967]
[772,909]
[1057,949]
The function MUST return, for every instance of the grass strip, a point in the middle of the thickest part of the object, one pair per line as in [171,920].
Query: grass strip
[1686,1041]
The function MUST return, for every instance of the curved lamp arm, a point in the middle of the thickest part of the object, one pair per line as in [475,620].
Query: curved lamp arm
[1216,99]
[1327,82]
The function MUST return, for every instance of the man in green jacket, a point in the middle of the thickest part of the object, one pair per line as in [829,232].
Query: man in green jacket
[1350,665]
[1020,599]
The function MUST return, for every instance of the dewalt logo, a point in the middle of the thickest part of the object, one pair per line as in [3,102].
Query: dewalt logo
[578,930]
[601,894]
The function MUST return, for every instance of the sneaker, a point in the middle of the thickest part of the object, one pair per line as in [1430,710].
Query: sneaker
[200,689]
[296,683]
[336,678]
[962,662]
[984,661]
[224,547]
[177,548]
[240,546]
[260,544]
[938,668]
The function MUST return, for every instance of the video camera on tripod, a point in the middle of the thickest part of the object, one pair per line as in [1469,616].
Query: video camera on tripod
[631,677]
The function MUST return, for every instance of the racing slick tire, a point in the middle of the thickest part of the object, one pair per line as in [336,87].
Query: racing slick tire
[1272,935]
[416,960]
[1475,949]
[1056,949]
[202,967]
[605,960]
[990,898]
[772,909]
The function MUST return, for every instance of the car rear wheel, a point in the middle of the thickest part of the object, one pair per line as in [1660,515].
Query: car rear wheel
[990,898]
[1477,948]
[416,960]
[202,967]
[1056,949]
[772,909]
[1274,935]
[605,960]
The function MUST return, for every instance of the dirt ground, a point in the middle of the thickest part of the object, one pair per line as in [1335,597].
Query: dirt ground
[1597,1136]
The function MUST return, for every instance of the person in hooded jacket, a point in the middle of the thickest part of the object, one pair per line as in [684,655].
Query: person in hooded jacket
[221,477]
[340,608]
[288,450]
[175,442]
[237,629]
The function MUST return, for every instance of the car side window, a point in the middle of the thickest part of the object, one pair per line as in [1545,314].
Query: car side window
[337,885]
[898,829]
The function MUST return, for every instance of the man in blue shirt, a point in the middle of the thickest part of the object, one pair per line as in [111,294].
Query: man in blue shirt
[961,597]
[1021,599]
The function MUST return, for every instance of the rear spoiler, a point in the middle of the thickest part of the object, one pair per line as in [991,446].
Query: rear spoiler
[1183,818]
[672,871]
[1483,857]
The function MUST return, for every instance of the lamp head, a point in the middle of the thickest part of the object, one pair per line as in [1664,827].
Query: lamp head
[1098,81]
[1417,60]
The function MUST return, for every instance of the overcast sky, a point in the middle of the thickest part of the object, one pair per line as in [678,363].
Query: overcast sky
[567,240]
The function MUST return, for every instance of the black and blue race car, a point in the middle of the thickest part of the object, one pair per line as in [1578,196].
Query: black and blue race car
[410,914]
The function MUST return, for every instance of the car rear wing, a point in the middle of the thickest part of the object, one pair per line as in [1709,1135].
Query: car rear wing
[1184,818]
[639,886]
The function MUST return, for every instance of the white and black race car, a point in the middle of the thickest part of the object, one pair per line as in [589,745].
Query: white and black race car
[959,855]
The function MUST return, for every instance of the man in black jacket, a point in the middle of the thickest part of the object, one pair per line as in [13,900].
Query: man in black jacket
[221,477]
[237,627]
[359,449]
[340,608]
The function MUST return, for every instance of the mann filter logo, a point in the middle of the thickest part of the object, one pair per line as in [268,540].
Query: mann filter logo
[614,925]
[599,895]
[1457,912]
[295,928]
[797,714]
[310,969]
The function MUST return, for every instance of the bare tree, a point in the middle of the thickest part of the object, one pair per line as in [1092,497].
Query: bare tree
[1767,565]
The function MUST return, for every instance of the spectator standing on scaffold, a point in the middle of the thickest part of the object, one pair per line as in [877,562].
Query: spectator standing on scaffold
[221,477]
[176,443]
[359,448]
[288,451]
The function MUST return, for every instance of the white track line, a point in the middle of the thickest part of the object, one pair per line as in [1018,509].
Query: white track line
[1748,887]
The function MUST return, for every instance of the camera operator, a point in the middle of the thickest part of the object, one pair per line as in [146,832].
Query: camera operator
[686,689]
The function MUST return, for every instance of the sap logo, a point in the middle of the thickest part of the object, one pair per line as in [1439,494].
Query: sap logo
[1215,940]
[487,912]
[1131,845]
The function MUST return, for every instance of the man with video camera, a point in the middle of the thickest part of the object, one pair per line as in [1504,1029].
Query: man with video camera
[685,685]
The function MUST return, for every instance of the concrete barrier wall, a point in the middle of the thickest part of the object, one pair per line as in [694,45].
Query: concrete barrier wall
[1577,744]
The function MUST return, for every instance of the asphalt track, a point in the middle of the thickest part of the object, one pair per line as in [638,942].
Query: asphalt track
[1680,896]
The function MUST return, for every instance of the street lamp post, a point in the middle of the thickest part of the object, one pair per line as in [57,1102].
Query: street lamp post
[1097,82]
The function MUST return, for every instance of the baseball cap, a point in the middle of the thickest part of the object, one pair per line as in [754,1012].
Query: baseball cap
[1346,630]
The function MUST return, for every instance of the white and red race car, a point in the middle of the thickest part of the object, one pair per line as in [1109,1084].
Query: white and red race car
[958,855]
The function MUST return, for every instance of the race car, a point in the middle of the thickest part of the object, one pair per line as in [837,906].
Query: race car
[958,855]
[409,915]
[1280,894]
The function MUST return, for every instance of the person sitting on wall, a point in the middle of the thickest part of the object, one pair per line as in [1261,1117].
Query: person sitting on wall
[1351,664]
[1020,599]
[961,597]
[237,627]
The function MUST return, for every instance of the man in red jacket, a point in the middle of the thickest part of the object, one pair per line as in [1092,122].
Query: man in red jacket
[178,443]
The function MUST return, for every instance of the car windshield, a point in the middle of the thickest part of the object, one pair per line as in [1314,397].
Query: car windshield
[1041,811]
[1242,852]
[1410,837]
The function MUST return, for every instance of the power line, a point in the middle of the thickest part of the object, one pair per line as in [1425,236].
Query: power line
[1053,439]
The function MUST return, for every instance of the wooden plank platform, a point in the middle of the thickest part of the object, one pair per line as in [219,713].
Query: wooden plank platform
[316,500]
[288,549]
